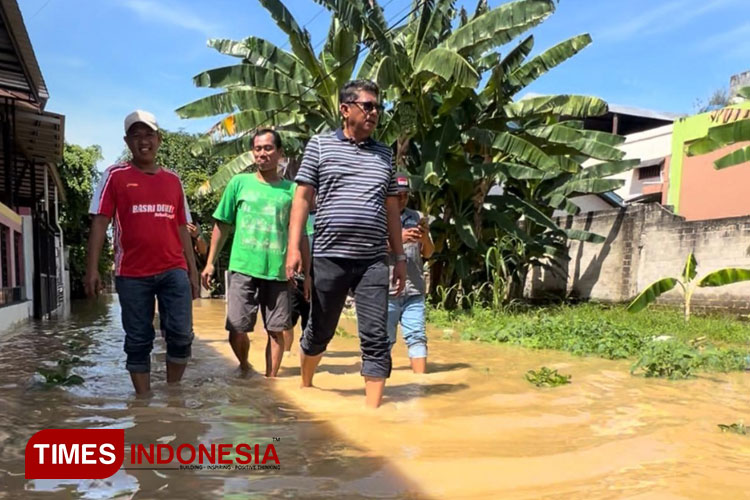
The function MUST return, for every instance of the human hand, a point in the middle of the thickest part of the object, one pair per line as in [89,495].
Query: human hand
[207,276]
[399,277]
[293,262]
[92,283]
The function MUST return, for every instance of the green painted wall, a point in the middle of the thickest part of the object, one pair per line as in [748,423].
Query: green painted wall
[686,130]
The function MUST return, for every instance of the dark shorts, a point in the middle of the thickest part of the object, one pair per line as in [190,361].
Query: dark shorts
[246,294]
[368,280]
[300,307]
[137,300]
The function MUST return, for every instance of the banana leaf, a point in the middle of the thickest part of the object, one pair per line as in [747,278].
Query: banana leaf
[603,137]
[725,276]
[528,210]
[256,77]
[510,62]
[243,122]
[237,100]
[466,232]
[735,158]
[563,105]
[608,168]
[577,234]
[299,40]
[448,66]
[689,271]
[340,53]
[574,139]
[524,151]
[221,178]
[650,294]
[435,148]
[548,59]
[432,18]
[261,52]
[498,26]
[347,11]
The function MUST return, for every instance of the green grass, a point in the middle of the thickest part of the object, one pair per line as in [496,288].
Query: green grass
[712,342]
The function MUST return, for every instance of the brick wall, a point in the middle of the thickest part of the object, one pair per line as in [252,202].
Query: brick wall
[645,243]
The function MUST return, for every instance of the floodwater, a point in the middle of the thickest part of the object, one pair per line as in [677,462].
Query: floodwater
[473,428]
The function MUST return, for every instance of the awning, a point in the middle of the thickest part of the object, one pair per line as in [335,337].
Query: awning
[40,136]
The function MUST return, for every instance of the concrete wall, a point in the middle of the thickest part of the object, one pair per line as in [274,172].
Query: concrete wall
[14,314]
[645,243]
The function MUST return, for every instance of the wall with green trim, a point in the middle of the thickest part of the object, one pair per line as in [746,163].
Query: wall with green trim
[689,129]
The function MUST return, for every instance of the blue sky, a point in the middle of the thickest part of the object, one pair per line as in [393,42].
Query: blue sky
[103,58]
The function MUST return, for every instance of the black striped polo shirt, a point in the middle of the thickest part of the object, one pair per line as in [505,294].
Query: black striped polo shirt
[352,182]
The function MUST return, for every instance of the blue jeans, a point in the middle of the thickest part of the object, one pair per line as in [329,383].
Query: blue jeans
[409,311]
[172,288]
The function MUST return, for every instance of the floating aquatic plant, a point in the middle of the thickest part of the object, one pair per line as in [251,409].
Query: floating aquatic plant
[546,377]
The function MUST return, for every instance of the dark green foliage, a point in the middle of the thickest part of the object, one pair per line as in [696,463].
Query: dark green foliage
[667,359]
[60,374]
[547,377]
[79,177]
[735,428]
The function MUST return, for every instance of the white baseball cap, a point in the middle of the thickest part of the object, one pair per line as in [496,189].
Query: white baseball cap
[140,116]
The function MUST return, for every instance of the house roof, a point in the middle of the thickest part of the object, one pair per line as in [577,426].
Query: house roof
[19,69]
[644,113]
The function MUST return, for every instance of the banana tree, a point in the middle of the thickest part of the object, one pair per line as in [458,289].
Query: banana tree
[688,284]
[453,117]
[459,141]
[725,135]
[294,91]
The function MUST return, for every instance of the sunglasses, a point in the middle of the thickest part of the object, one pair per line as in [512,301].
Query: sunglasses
[368,106]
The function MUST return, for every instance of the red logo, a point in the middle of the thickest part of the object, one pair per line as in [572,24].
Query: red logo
[99,453]
[74,453]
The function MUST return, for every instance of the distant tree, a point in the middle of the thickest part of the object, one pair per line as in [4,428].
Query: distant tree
[79,177]
[719,99]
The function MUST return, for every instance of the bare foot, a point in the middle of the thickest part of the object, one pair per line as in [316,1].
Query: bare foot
[244,371]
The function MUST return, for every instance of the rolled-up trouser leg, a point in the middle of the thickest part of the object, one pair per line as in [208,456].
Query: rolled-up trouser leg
[371,299]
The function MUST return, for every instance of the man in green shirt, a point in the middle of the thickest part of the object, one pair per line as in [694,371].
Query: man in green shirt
[258,206]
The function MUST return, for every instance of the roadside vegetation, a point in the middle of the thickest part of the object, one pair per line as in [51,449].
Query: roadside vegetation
[660,343]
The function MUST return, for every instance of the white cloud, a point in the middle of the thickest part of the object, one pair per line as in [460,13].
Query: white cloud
[170,13]
[728,40]
[665,18]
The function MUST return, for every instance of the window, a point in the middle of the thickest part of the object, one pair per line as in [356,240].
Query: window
[650,170]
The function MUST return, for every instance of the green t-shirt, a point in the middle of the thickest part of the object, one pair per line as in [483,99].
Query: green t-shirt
[260,213]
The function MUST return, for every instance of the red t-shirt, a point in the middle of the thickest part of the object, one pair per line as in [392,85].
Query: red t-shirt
[147,210]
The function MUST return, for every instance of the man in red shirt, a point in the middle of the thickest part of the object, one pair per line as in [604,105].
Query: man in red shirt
[153,251]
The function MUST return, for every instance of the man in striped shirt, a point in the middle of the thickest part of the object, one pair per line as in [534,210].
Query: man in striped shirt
[357,210]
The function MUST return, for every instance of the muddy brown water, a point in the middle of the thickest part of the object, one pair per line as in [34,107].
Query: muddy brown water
[473,428]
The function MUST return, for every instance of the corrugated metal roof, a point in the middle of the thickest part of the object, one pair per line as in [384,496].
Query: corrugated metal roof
[19,69]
